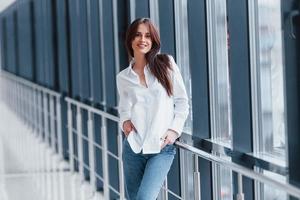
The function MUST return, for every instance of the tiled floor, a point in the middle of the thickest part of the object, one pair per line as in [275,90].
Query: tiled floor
[22,178]
[16,184]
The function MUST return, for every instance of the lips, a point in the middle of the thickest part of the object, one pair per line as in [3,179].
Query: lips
[142,45]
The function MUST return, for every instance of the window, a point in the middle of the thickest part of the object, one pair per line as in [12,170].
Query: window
[267,72]
[219,72]
[182,53]
[270,71]
[220,104]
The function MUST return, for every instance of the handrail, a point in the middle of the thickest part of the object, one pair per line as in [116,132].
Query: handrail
[287,187]
[39,95]
[29,83]
[242,170]
[95,110]
[233,166]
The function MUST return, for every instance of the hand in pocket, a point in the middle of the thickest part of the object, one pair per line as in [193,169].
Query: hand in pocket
[169,138]
[128,127]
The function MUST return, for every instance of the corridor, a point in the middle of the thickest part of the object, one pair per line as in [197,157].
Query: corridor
[22,178]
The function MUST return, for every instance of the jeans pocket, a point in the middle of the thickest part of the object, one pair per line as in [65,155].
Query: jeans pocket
[169,148]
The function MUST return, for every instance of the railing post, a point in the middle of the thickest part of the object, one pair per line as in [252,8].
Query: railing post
[15,96]
[25,111]
[46,122]
[62,165]
[48,145]
[197,185]
[79,142]
[53,158]
[27,106]
[240,195]
[41,145]
[40,116]
[21,93]
[36,112]
[39,137]
[33,105]
[70,137]
[59,127]
[105,158]
[121,172]
[165,191]
[52,125]
[91,151]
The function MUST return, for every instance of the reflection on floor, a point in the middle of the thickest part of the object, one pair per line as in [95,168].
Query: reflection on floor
[29,170]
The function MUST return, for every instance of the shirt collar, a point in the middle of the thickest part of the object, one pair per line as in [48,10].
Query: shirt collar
[131,71]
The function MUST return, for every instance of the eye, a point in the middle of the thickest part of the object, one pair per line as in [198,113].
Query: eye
[148,36]
[137,34]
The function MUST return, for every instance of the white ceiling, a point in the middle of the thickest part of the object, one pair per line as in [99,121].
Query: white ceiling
[5,3]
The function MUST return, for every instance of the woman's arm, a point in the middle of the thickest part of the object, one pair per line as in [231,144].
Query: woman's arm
[181,107]
[124,106]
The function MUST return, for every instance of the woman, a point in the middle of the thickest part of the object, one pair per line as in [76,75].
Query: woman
[153,107]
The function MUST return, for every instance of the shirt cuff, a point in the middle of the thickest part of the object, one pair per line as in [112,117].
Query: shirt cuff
[177,125]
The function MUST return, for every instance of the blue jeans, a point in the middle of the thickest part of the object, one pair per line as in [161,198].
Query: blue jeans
[145,173]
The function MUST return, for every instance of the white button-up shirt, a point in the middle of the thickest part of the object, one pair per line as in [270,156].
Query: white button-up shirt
[150,109]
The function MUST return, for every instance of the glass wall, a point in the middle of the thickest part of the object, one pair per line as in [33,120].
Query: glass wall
[268,92]
[219,72]
[271,80]
[93,55]
[268,192]
[182,53]
[220,105]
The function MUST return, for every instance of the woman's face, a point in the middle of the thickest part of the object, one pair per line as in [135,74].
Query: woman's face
[142,41]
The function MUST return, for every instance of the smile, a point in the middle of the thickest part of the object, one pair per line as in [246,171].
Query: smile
[142,45]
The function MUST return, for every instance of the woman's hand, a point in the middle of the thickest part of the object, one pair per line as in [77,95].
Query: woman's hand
[128,127]
[169,138]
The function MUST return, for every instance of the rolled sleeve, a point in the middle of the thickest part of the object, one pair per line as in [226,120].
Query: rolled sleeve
[124,106]
[181,106]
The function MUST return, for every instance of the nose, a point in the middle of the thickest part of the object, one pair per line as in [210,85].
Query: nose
[143,37]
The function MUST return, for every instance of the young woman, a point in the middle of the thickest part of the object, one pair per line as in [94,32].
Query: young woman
[153,107]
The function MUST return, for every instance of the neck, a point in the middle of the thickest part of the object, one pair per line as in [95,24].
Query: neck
[140,62]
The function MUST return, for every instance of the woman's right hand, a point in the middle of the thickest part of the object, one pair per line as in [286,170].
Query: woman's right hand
[128,127]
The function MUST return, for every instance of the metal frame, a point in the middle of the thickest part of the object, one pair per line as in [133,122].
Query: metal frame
[255,79]
[132,10]
[154,14]
[17,91]
[32,103]
[213,79]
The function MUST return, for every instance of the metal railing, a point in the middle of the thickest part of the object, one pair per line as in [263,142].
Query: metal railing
[92,146]
[39,144]
[34,103]
[240,170]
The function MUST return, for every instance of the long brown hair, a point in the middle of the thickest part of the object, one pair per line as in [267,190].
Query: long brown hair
[159,64]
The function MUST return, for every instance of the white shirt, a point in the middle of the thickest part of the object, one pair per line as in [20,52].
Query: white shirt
[150,109]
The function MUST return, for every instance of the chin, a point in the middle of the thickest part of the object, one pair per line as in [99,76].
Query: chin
[143,52]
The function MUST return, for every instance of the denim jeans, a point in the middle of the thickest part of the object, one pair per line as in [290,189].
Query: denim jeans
[145,173]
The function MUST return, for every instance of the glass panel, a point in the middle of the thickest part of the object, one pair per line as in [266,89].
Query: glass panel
[270,72]
[182,53]
[268,192]
[222,181]
[219,72]
[223,87]
[219,92]
[271,142]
